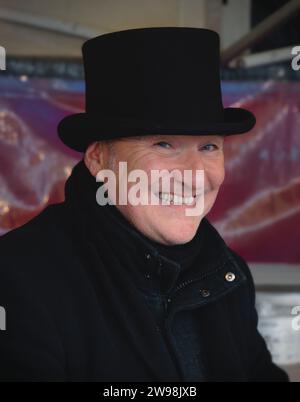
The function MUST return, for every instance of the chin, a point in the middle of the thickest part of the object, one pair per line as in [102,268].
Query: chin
[178,234]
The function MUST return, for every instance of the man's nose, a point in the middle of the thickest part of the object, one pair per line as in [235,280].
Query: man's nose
[192,160]
[190,166]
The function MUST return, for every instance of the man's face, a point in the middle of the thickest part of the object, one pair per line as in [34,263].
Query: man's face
[169,224]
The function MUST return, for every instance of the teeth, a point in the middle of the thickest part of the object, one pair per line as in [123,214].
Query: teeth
[176,199]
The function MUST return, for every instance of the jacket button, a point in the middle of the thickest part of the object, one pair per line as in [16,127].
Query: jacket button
[205,293]
[148,256]
[230,277]
[148,276]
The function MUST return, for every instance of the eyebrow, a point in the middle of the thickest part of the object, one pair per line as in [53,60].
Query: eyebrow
[165,137]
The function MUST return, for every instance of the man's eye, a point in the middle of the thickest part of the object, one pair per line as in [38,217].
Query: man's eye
[210,147]
[163,144]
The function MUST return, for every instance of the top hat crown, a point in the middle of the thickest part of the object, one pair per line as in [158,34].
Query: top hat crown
[144,81]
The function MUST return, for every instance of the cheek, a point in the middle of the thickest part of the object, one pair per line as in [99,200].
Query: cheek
[216,175]
[151,162]
[146,162]
[221,176]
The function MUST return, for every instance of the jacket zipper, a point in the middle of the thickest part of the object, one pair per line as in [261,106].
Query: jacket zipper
[188,281]
[184,284]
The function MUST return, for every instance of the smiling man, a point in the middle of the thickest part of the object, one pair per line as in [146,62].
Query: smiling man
[126,291]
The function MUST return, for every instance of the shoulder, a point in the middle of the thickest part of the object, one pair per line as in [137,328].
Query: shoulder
[36,249]
[40,268]
[31,237]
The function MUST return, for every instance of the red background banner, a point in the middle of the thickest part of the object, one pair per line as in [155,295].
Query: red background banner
[258,208]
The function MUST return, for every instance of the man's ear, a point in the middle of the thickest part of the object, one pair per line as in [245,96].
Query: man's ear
[94,157]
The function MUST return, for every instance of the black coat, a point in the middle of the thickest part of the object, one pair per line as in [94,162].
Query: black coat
[73,311]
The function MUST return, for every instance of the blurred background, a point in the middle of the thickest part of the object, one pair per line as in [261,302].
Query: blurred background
[258,208]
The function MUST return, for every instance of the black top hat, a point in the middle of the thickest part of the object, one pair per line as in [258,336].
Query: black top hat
[144,81]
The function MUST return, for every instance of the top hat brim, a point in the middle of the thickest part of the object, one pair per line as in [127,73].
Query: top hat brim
[79,130]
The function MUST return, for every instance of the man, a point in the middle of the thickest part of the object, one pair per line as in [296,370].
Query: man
[136,292]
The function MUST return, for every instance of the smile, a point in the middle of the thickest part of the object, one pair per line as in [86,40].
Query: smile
[175,199]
